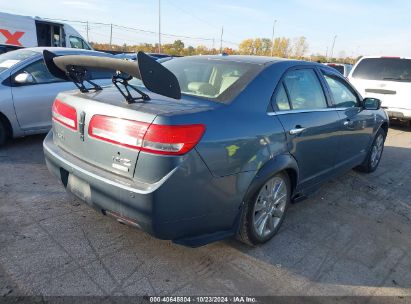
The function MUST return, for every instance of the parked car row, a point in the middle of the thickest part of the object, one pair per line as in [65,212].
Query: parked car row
[200,148]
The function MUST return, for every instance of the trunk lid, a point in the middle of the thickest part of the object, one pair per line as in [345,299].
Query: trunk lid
[103,154]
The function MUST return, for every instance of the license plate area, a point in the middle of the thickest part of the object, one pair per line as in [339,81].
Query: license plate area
[79,188]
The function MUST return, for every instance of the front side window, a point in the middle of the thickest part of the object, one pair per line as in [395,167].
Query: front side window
[342,95]
[39,72]
[78,43]
[305,90]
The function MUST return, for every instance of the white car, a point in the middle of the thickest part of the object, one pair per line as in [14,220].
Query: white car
[388,79]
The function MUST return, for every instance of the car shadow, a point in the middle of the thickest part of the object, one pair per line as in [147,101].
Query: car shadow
[400,125]
[353,233]
[25,150]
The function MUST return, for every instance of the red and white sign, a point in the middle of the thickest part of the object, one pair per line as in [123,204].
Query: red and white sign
[12,38]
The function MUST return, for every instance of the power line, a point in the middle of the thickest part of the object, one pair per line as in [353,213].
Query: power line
[200,19]
[134,29]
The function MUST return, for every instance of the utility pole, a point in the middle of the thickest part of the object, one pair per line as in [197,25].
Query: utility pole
[326,53]
[332,48]
[111,34]
[213,45]
[221,40]
[272,38]
[159,26]
[87,32]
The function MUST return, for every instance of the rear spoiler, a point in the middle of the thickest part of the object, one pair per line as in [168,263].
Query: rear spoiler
[154,75]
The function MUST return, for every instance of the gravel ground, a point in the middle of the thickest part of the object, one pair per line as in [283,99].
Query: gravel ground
[351,238]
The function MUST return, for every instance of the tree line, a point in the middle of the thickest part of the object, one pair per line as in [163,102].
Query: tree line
[283,47]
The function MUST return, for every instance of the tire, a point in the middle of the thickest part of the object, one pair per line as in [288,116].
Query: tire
[264,213]
[374,155]
[3,134]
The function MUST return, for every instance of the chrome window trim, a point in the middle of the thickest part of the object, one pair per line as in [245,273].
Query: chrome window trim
[272,113]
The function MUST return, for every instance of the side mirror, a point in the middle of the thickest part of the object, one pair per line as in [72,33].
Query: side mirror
[371,103]
[24,78]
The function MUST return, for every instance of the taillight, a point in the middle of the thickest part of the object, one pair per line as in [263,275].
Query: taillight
[158,139]
[64,114]
[172,139]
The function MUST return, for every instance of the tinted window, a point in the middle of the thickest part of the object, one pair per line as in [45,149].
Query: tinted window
[10,59]
[305,90]
[281,99]
[39,72]
[394,69]
[339,68]
[78,43]
[343,96]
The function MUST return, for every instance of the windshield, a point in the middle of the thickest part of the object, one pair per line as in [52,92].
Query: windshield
[394,69]
[10,59]
[213,79]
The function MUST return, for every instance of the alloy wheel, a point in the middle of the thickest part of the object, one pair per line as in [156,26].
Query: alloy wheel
[270,206]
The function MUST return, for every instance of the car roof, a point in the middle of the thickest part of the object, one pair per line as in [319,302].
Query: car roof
[241,58]
[62,50]
[386,57]
[337,63]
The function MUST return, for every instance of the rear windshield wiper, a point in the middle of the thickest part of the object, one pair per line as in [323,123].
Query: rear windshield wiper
[123,79]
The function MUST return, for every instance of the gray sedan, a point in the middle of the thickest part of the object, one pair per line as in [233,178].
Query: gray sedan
[27,90]
[198,149]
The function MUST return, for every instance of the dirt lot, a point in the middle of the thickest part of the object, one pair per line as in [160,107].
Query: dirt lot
[351,238]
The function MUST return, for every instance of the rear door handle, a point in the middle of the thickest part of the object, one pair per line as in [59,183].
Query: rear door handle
[296,131]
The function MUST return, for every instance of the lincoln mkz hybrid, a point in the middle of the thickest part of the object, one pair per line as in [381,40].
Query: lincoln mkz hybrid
[202,148]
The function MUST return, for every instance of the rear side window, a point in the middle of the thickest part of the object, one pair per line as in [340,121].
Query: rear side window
[305,90]
[342,94]
[281,99]
[390,69]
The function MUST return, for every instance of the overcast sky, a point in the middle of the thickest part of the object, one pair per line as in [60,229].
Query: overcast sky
[362,27]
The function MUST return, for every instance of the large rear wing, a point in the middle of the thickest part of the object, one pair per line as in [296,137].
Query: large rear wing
[154,75]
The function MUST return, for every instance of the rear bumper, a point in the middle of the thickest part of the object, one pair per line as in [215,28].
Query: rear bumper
[178,207]
[399,113]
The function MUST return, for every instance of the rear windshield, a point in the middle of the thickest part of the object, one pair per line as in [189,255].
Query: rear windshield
[10,59]
[391,69]
[339,68]
[212,79]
